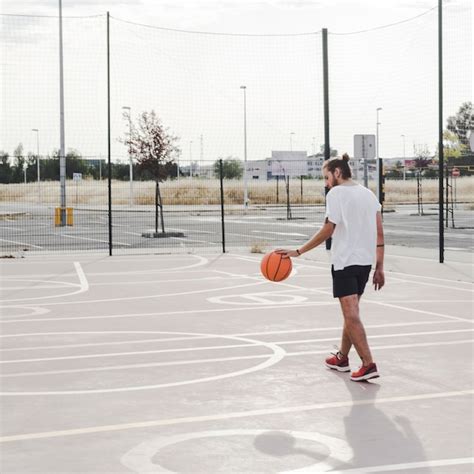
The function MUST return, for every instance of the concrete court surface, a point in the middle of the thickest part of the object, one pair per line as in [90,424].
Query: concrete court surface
[194,363]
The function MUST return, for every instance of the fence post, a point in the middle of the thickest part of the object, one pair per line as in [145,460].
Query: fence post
[447,195]
[288,206]
[277,181]
[109,164]
[221,176]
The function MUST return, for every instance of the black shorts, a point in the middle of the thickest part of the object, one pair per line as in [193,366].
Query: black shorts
[350,280]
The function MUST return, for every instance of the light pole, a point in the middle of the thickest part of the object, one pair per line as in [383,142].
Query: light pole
[313,146]
[62,139]
[379,164]
[404,158]
[291,140]
[128,112]
[246,203]
[37,162]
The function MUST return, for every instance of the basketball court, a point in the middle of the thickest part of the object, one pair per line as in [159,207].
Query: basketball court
[195,363]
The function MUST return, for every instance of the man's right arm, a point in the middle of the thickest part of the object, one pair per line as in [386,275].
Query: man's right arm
[379,277]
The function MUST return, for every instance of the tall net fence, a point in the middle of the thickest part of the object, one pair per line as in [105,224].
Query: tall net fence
[256,102]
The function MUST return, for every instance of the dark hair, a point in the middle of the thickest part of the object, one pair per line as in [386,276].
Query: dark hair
[341,163]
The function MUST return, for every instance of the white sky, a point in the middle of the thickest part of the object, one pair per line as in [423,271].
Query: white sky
[193,80]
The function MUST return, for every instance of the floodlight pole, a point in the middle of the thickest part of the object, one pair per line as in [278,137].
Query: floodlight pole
[62,147]
[37,163]
[246,201]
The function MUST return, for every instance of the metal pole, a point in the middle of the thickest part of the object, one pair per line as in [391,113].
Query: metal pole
[109,163]
[221,174]
[37,163]
[130,173]
[291,140]
[404,158]
[190,159]
[246,201]
[379,161]
[440,129]
[327,149]
[62,148]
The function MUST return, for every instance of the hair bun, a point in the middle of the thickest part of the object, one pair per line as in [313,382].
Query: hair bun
[345,157]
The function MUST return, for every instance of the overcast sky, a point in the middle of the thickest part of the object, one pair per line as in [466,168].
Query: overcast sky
[193,81]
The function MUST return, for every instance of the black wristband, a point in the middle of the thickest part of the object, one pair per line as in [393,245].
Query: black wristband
[298,252]
[381,245]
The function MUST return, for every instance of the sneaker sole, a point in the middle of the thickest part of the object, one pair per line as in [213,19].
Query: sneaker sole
[340,369]
[372,375]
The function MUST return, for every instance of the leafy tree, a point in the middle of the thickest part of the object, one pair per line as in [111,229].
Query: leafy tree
[232,168]
[423,157]
[461,123]
[5,169]
[453,148]
[153,147]
[19,164]
[332,151]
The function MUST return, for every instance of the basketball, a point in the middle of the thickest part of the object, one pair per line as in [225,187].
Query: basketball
[275,268]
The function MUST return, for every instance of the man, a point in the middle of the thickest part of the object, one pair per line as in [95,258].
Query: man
[354,221]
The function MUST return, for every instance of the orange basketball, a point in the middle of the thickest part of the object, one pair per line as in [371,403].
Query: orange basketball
[274,267]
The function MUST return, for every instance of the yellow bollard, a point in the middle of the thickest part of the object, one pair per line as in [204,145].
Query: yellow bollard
[69,216]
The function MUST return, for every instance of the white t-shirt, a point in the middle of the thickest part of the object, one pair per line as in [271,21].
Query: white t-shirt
[353,209]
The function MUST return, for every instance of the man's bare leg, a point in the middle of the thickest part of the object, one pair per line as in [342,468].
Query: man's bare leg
[346,343]
[354,332]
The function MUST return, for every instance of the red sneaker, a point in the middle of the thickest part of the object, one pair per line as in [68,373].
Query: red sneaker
[338,362]
[365,373]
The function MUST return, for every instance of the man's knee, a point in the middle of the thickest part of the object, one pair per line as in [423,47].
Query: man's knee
[350,307]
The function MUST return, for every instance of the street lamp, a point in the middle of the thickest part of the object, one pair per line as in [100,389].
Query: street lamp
[246,203]
[379,161]
[291,140]
[404,157]
[37,162]
[128,112]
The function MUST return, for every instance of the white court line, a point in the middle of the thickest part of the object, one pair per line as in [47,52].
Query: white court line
[186,239]
[327,265]
[224,359]
[263,333]
[231,415]
[430,284]
[165,313]
[58,284]
[275,356]
[21,243]
[94,344]
[144,297]
[93,240]
[201,261]
[279,233]
[406,466]
[84,286]
[413,310]
[366,300]
[204,348]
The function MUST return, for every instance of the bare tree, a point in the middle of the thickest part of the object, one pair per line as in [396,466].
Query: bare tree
[153,147]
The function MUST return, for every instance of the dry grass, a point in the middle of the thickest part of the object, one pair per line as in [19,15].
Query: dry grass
[207,192]
[259,247]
